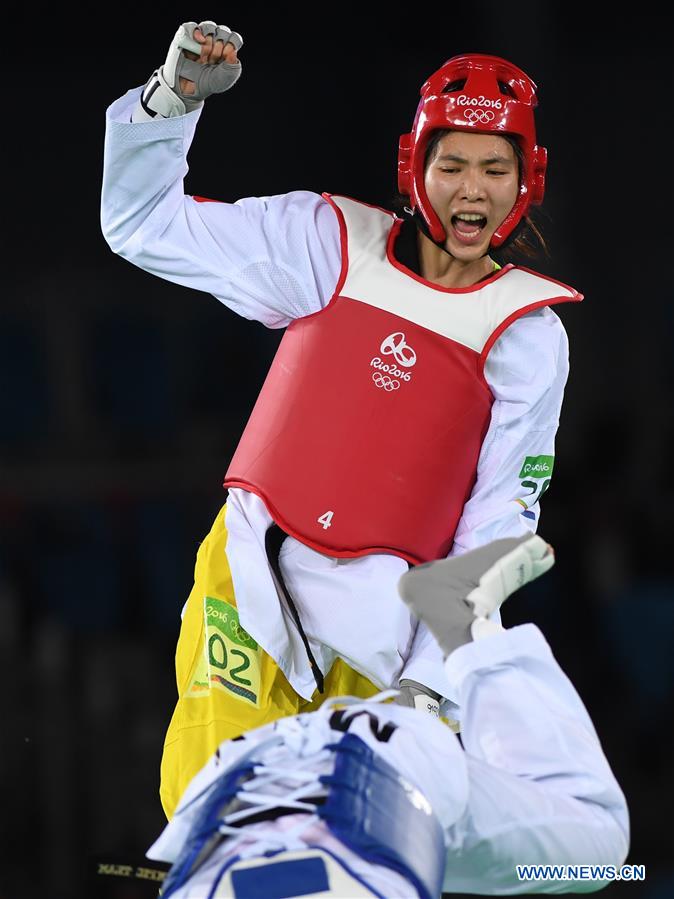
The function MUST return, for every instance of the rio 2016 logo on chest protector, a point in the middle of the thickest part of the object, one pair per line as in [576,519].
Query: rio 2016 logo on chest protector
[388,375]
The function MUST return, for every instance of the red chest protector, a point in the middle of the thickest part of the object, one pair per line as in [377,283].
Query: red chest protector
[366,434]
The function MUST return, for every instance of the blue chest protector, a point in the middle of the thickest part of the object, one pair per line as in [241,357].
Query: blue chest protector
[369,807]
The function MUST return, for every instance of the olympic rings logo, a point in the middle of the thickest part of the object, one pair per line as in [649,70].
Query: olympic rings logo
[402,351]
[384,381]
[479,115]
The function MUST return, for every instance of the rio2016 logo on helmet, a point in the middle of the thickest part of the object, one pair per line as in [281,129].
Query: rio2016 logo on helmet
[475,92]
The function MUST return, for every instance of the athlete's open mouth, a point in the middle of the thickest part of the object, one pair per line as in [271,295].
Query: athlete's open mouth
[468,227]
[468,231]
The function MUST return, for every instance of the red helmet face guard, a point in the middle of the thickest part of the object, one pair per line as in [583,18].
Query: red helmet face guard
[487,95]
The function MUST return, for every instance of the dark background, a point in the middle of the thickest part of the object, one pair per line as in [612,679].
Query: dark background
[122,396]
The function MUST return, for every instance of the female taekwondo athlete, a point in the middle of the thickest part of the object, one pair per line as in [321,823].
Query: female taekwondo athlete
[431,436]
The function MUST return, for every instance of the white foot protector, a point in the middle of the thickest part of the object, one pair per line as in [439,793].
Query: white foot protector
[456,596]
[521,565]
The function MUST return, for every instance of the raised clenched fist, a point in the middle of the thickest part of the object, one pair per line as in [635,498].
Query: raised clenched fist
[202,60]
[209,62]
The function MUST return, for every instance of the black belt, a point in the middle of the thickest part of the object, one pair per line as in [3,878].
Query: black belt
[273,540]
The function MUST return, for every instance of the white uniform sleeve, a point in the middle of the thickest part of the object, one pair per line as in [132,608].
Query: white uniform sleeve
[527,370]
[270,259]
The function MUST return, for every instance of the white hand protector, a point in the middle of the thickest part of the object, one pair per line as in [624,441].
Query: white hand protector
[162,95]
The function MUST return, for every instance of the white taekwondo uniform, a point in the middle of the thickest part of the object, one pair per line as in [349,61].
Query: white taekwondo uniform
[528,784]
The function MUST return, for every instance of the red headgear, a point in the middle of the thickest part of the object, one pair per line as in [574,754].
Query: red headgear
[474,92]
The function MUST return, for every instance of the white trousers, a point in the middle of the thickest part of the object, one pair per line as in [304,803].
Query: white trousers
[540,790]
[530,785]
